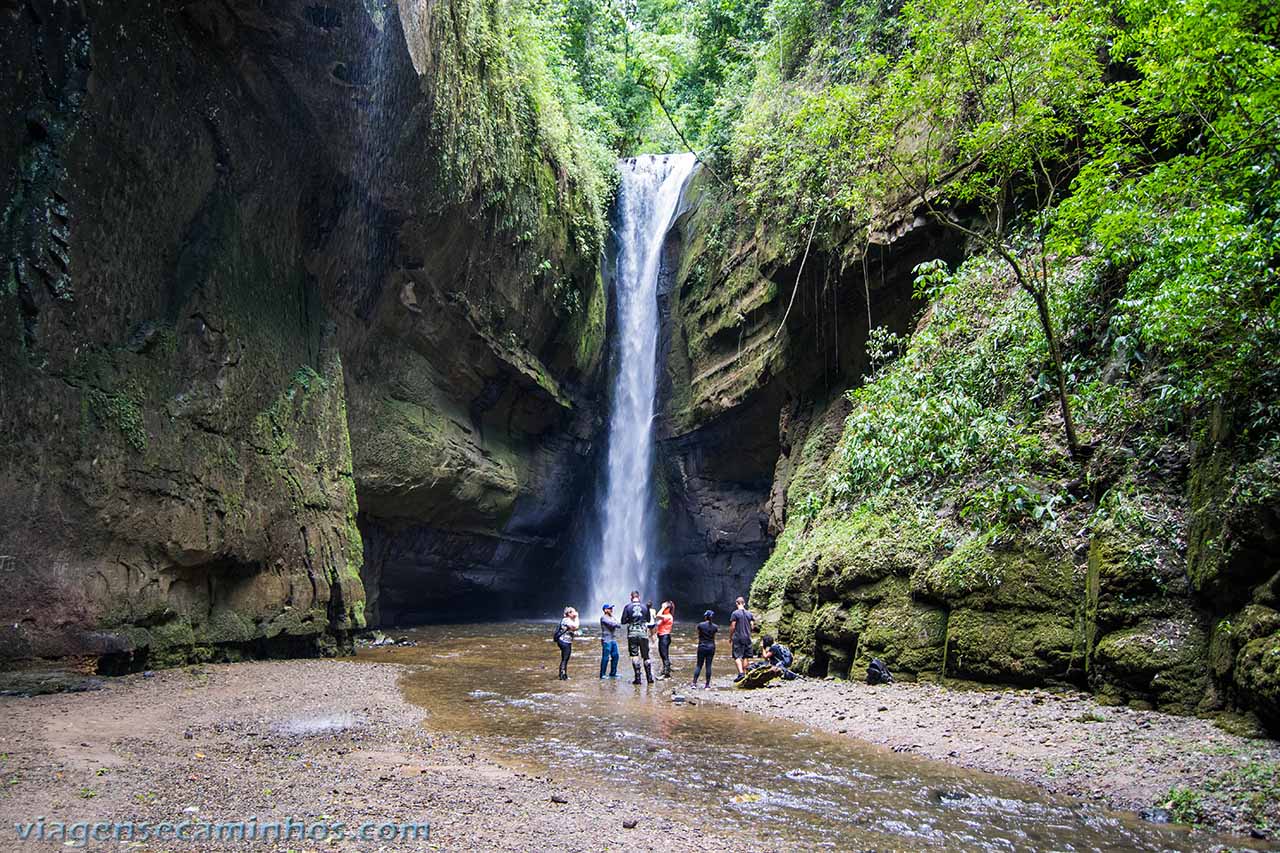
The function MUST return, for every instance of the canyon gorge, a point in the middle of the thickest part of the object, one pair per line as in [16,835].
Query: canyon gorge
[307,319]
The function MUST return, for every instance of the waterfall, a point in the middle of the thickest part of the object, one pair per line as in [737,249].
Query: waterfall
[647,199]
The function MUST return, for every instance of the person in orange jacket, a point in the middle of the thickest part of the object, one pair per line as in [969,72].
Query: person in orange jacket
[666,621]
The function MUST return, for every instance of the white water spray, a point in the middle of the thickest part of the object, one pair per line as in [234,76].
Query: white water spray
[647,200]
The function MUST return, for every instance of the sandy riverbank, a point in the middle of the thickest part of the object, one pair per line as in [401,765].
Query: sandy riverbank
[308,740]
[1064,742]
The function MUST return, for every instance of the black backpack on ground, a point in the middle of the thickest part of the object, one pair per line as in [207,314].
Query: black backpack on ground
[878,673]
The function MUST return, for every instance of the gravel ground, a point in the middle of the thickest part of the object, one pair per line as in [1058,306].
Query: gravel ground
[1064,742]
[306,740]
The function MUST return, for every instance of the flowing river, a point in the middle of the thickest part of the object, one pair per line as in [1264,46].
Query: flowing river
[788,785]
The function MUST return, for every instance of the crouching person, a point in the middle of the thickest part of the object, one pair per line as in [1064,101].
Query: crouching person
[777,656]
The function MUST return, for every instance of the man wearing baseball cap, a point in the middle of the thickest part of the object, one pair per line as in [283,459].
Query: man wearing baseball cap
[608,643]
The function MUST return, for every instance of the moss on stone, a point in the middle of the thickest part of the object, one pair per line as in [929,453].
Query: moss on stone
[120,410]
[984,572]
[227,626]
[1161,661]
[969,569]
[589,329]
[1230,544]
[171,643]
[1013,647]
[821,585]
[296,622]
[907,635]
[1257,676]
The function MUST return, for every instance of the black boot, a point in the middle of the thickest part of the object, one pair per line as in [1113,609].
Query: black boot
[648,672]
[636,667]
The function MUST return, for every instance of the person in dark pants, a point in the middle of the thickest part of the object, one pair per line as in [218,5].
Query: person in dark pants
[707,629]
[636,617]
[564,639]
[740,633]
[609,643]
[666,621]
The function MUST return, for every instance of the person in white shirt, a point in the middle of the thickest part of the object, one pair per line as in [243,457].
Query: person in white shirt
[564,639]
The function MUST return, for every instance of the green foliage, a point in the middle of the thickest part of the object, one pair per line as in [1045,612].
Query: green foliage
[1185,805]
[809,507]
[953,405]
[1165,114]
[1015,504]
[698,57]
[1180,195]
[883,345]
[511,125]
[120,409]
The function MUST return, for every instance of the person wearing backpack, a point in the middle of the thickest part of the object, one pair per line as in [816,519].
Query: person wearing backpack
[778,656]
[740,623]
[636,617]
[564,639]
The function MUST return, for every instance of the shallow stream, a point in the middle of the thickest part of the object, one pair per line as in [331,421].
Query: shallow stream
[788,785]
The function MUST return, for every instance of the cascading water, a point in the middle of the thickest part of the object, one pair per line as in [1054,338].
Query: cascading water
[647,200]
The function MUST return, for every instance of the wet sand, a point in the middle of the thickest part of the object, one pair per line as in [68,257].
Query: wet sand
[307,740]
[1064,742]
[336,741]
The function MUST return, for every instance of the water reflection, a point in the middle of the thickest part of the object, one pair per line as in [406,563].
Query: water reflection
[789,786]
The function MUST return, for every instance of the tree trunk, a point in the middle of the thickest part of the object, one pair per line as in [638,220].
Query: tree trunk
[1060,379]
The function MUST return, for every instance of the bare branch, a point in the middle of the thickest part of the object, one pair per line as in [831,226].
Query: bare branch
[657,96]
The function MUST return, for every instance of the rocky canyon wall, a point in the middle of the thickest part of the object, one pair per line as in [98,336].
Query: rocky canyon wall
[1150,579]
[759,347]
[259,332]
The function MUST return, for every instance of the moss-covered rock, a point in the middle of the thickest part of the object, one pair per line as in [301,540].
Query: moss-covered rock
[1125,582]
[839,553]
[228,626]
[1012,647]
[988,574]
[837,589]
[907,635]
[1257,677]
[206,294]
[1234,535]
[1162,662]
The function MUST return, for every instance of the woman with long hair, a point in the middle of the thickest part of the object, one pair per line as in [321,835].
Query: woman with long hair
[666,621]
[564,639]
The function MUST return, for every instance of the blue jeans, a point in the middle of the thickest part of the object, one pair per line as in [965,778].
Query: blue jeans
[609,657]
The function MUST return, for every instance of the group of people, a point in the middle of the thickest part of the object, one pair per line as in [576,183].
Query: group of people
[644,626]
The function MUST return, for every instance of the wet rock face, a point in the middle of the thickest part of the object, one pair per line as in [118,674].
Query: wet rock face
[745,382]
[1173,603]
[1233,563]
[234,299]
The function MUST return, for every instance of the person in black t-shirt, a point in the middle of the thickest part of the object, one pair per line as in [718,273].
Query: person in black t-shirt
[707,629]
[636,617]
[740,624]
